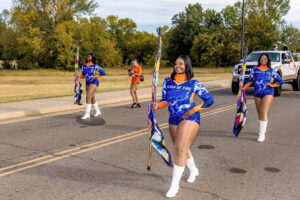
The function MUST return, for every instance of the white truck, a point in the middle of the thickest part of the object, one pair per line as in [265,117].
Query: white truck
[279,62]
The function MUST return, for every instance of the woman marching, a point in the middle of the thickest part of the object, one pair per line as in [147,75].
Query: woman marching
[178,92]
[89,71]
[263,77]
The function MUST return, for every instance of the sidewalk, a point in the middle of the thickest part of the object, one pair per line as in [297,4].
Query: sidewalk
[52,105]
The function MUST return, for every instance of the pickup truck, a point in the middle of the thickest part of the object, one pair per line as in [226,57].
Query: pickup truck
[296,56]
[279,62]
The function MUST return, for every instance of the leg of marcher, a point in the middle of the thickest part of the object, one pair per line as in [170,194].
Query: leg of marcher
[257,105]
[185,134]
[190,163]
[97,109]
[265,106]
[91,89]
[95,106]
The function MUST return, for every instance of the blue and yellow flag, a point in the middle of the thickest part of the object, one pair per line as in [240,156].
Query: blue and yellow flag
[292,59]
[156,137]
[77,90]
[241,114]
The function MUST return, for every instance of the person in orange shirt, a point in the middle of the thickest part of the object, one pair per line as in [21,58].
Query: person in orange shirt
[135,74]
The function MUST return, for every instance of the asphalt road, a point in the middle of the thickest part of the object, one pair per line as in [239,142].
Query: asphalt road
[61,157]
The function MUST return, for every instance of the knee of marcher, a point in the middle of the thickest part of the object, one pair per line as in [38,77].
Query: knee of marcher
[180,150]
[263,113]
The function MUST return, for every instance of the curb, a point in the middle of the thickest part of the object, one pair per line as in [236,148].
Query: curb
[36,112]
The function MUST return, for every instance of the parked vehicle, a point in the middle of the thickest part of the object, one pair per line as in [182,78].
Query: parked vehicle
[279,62]
[296,56]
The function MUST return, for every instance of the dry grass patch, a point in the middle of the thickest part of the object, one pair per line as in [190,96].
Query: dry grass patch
[37,84]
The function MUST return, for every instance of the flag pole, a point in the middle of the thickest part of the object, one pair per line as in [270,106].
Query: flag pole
[77,84]
[154,90]
[242,29]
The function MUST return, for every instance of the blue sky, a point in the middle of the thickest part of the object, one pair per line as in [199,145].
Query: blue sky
[149,14]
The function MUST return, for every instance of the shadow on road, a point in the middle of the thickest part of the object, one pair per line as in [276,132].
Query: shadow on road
[93,121]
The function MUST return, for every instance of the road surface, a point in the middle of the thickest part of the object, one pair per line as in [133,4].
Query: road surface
[61,157]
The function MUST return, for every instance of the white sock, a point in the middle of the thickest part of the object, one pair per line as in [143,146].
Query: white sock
[190,163]
[262,130]
[193,170]
[177,173]
[263,126]
[88,108]
[96,107]
[87,111]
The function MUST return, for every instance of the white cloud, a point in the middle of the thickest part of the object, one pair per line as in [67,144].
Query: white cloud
[294,13]
[148,12]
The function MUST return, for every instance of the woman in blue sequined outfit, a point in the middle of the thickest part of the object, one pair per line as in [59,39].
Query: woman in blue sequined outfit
[89,72]
[178,94]
[263,77]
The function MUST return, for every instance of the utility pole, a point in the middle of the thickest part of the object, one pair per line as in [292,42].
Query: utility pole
[242,34]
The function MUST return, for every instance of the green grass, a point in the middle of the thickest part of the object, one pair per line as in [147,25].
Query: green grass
[110,71]
[20,85]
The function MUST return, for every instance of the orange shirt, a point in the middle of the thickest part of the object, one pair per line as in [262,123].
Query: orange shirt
[137,70]
[180,78]
[262,68]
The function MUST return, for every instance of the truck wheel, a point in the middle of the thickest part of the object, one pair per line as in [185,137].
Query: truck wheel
[296,83]
[235,87]
[277,91]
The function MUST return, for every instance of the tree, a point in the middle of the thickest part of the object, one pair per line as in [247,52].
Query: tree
[290,36]
[262,21]
[218,47]
[2,29]
[143,47]
[35,23]
[66,44]
[97,39]
[46,33]
[186,25]
[8,43]
[122,32]
[212,18]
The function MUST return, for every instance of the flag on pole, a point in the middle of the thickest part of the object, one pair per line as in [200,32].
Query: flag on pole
[156,137]
[241,115]
[292,59]
[77,90]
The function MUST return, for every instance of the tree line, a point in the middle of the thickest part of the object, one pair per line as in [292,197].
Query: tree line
[46,33]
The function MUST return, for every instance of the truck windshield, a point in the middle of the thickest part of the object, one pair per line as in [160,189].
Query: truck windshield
[253,57]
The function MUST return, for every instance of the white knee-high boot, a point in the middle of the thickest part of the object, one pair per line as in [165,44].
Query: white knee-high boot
[262,130]
[87,111]
[193,170]
[177,173]
[97,110]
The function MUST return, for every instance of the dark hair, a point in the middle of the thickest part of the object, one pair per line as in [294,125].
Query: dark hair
[269,60]
[285,48]
[134,60]
[188,67]
[93,58]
